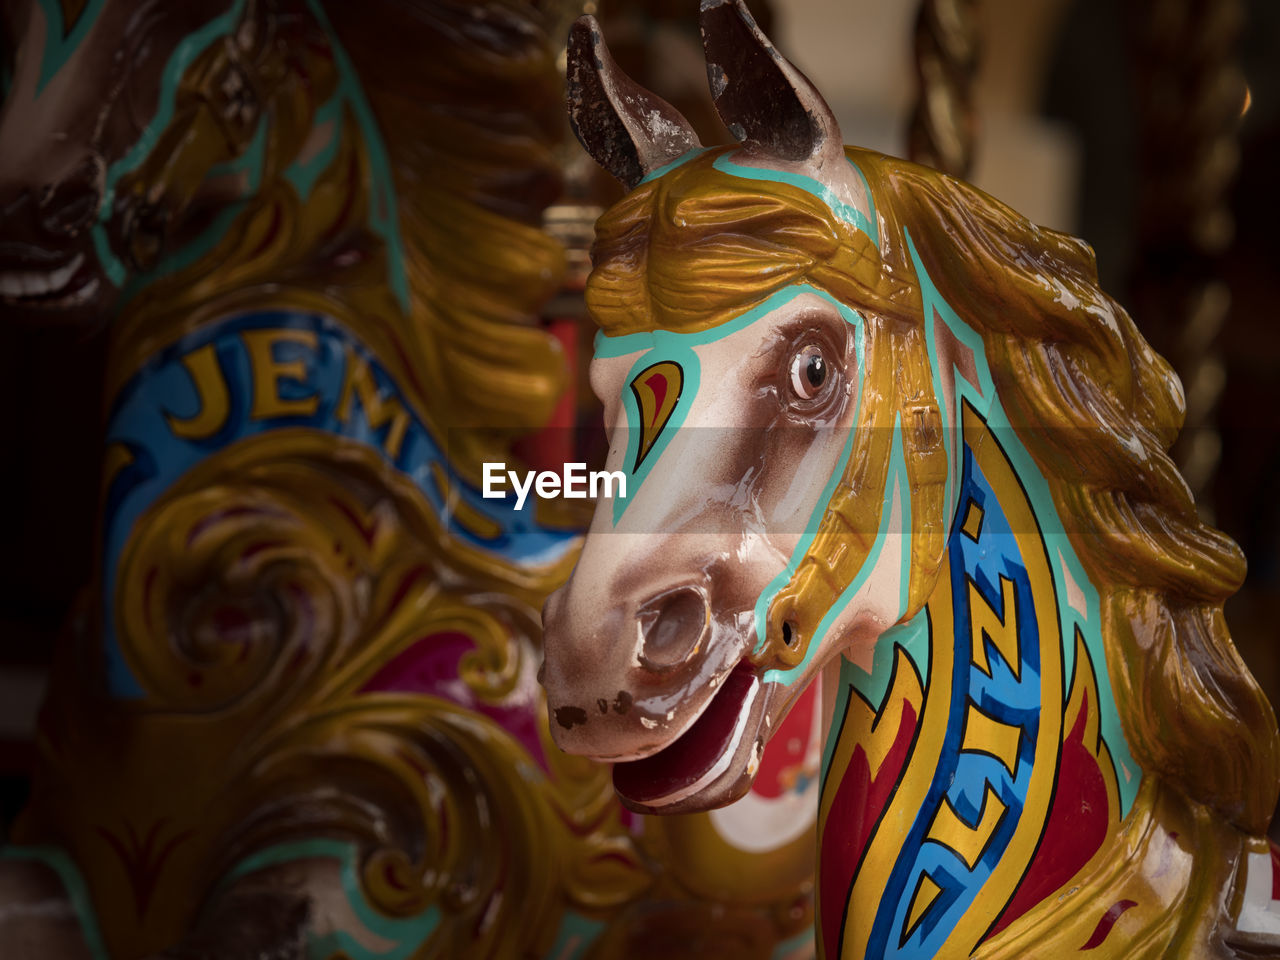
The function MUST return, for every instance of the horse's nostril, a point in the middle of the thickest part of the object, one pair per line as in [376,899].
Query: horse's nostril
[789,635]
[72,214]
[71,205]
[673,626]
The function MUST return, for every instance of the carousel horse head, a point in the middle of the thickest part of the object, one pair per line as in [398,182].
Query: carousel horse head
[800,347]
[124,129]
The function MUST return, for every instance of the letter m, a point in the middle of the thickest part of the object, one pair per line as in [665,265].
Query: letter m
[358,382]
[607,479]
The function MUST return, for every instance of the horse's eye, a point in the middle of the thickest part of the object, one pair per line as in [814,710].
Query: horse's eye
[809,372]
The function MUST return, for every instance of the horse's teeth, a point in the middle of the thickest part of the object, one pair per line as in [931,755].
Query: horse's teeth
[29,283]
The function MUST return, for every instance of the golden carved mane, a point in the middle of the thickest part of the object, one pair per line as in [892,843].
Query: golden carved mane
[698,246]
[470,133]
[357,571]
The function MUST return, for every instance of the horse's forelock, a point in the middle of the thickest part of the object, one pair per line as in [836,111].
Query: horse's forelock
[696,247]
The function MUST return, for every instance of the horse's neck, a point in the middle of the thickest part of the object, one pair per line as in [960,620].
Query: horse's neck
[974,771]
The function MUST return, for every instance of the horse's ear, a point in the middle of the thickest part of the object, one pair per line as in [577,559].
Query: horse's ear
[767,104]
[626,129]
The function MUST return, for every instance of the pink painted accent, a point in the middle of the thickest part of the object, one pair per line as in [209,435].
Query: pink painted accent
[631,822]
[554,445]
[429,666]
[657,382]
[786,750]
[855,810]
[1275,871]
[1076,828]
[1108,921]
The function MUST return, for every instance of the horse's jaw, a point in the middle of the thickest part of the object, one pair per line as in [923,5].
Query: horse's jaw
[684,733]
[713,762]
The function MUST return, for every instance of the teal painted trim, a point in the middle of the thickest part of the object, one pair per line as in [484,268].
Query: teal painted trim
[304,174]
[913,637]
[1063,561]
[936,308]
[815,519]
[607,347]
[249,164]
[657,345]
[77,892]
[787,948]
[654,346]
[896,486]
[691,371]
[575,937]
[842,211]
[383,215]
[408,933]
[58,48]
[679,161]
[191,46]
[844,690]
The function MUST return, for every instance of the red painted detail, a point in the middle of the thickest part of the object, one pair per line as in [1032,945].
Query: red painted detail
[854,812]
[143,857]
[612,856]
[402,588]
[631,822]
[784,754]
[218,516]
[657,382]
[269,235]
[1076,828]
[389,874]
[1108,921]
[554,445]
[366,533]
[443,825]
[410,759]
[429,666]
[1275,871]
[259,546]
[582,826]
[232,621]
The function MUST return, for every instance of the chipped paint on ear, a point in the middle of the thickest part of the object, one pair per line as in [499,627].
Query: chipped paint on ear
[626,129]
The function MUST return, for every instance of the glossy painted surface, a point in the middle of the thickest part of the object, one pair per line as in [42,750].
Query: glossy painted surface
[299,714]
[1042,741]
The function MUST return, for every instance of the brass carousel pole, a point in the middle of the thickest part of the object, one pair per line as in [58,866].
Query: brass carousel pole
[941,134]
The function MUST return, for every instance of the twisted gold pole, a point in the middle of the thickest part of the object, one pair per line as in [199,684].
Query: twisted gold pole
[1190,100]
[942,125]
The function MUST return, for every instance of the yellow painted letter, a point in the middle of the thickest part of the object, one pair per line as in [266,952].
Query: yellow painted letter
[357,381]
[211,390]
[267,373]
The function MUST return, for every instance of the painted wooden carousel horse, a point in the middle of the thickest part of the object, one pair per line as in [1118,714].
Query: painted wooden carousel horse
[298,714]
[886,437]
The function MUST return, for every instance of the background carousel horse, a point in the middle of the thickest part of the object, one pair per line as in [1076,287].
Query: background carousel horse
[297,714]
[885,435]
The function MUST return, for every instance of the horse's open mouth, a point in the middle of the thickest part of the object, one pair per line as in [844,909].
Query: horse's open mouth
[70,284]
[715,752]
